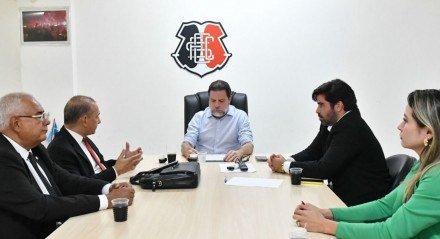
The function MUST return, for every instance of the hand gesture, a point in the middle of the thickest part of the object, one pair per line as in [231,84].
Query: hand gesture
[124,164]
[129,153]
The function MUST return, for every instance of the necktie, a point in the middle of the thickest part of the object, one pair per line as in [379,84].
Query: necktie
[43,179]
[94,156]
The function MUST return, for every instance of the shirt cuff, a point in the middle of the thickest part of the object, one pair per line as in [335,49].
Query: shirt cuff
[116,172]
[103,202]
[290,158]
[286,166]
[106,189]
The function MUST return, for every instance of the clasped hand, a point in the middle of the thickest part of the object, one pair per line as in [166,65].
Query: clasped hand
[120,190]
[232,156]
[313,218]
[275,162]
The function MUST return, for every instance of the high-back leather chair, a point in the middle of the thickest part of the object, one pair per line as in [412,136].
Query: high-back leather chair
[399,166]
[199,101]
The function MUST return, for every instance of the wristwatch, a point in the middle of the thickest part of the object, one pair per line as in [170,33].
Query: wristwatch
[282,168]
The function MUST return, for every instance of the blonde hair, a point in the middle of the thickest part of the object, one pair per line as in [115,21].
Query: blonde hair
[426,111]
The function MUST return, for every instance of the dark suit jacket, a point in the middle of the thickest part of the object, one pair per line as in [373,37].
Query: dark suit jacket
[25,211]
[65,151]
[351,157]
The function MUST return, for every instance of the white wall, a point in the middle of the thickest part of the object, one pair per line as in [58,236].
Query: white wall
[47,69]
[282,50]
[9,48]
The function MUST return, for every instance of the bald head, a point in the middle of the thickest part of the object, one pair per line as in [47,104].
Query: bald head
[77,107]
[81,114]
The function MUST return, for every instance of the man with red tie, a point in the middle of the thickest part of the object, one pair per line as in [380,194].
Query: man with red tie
[73,150]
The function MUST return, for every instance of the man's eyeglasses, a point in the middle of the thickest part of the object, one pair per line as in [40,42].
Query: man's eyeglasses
[41,117]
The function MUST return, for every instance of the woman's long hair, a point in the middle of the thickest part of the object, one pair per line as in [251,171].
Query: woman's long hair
[426,111]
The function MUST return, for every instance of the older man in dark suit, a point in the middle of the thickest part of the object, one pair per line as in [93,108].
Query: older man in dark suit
[36,193]
[345,151]
[74,151]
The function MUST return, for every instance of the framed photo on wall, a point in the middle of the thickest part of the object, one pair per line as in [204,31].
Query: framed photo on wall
[45,26]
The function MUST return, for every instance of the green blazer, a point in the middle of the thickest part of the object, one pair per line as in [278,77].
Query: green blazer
[419,217]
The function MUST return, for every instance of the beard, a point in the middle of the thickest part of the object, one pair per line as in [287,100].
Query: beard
[328,121]
[219,113]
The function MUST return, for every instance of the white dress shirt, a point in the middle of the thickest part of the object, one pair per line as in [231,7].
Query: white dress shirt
[103,202]
[79,139]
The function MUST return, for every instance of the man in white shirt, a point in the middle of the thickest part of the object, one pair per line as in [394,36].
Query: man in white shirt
[220,128]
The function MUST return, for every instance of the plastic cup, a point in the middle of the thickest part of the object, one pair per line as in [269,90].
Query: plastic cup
[120,209]
[171,158]
[295,176]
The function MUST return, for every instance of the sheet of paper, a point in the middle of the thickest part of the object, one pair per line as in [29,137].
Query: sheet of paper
[214,157]
[254,182]
[224,168]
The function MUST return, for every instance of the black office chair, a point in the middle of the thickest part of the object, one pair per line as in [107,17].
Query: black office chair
[399,166]
[199,101]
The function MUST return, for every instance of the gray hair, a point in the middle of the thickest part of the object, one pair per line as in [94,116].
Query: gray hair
[77,107]
[10,105]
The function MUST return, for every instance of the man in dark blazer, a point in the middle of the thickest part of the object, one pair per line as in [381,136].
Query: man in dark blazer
[345,151]
[75,152]
[35,192]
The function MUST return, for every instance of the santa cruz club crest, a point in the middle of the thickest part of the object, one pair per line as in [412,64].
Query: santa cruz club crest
[201,50]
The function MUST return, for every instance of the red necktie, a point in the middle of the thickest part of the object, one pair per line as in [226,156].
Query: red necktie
[94,156]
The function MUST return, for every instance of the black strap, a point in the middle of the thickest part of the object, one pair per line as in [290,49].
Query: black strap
[135,179]
[43,179]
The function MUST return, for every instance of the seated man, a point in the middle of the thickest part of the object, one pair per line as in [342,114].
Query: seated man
[345,151]
[220,128]
[36,193]
[75,152]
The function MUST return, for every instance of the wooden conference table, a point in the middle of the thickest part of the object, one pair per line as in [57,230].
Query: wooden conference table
[212,210]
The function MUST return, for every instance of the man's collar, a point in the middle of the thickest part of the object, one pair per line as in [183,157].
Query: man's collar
[331,126]
[24,153]
[78,138]
[344,115]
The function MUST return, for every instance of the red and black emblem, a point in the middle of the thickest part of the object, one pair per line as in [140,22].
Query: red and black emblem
[201,49]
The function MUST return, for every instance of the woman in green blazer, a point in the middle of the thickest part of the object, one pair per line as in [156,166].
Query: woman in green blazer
[412,210]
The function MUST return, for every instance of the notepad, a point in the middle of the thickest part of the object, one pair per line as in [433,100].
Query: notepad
[215,158]
[312,181]
[317,180]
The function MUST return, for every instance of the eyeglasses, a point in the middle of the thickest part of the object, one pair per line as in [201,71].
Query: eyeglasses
[41,117]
